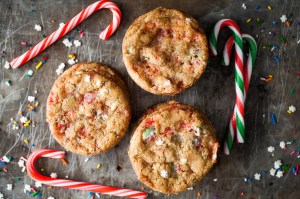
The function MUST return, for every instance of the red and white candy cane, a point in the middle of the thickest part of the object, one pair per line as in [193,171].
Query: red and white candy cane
[85,13]
[239,79]
[247,72]
[70,184]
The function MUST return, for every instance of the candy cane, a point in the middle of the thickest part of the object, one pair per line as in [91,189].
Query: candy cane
[70,184]
[85,13]
[239,79]
[247,76]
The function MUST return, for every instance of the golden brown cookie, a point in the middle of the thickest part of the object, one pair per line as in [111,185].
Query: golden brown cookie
[172,147]
[88,108]
[165,51]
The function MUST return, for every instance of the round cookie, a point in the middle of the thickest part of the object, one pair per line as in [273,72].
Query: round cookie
[172,147]
[88,108]
[165,51]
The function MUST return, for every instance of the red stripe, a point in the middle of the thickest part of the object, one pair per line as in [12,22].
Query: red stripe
[240,106]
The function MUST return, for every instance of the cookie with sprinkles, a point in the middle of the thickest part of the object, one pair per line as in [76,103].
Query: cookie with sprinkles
[165,51]
[88,108]
[173,146]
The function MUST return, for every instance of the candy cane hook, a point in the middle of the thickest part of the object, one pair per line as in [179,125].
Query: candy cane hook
[70,184]
[85,13]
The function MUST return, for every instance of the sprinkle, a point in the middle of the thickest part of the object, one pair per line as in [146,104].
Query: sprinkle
[53,175]
[282,39]
[38,65]
[60,68]
[64,161]
[164,173]
[190,188]
[1,196]
[273,119]
[9,187]
[81,33]
[275,23]
[257,7]
[67,43]
[292,108]
[2,163]
[198,194]
[38,184]
[287,23]
[26,141]
[148,132]
[272,172]
[77,43]
[6,159]
[244,6]
[31,98]
[276,58]
[269,7]
[70,38]
[38,27]
[283,18]
[23,119]
[18,179]
[279,174]
[52,20]
[282,144]
[291,91]
[86,159]
[24,43]
[292,152]
[27,187]
[259,21]
[8,83]
[29,73]
[271,149]
[248,20]
[43,36]
[277,164]
[50,197]
[61,25]
[286,167]
[257,176]
[6,65]
[98,166]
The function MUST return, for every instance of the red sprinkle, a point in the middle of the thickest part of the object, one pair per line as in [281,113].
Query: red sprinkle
[292,152]
[149,123]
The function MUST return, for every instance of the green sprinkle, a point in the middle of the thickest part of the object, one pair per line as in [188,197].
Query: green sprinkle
[18,179]
[259,21]
[292,91]
[35,193]
[286,167]
[148,132]
[282,39]
[8,83]
[292,141]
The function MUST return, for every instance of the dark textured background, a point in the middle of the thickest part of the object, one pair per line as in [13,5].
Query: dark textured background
[213,94]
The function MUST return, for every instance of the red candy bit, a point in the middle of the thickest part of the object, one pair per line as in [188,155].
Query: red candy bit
[83,132]
[149,123]
[70,113]
[178,168]
[167,131]
[183,125]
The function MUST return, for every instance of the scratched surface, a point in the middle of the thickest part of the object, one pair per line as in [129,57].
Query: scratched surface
[213,94]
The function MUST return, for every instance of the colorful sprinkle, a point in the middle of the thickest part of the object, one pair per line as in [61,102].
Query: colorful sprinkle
[273,119]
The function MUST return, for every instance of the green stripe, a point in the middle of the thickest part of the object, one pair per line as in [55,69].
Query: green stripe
[229,141]
[239,82]
[240,126]
[213,40]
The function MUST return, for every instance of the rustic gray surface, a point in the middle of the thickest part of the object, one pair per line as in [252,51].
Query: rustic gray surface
[213,94]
